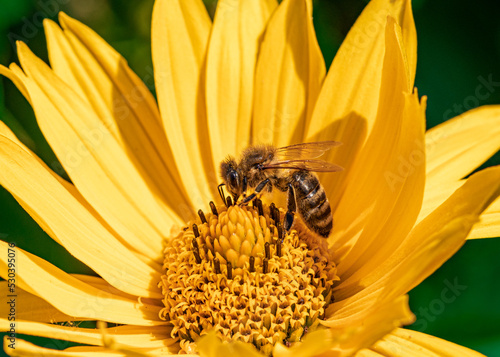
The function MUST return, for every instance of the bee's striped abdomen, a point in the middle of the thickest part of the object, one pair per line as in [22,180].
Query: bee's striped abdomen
[312,203]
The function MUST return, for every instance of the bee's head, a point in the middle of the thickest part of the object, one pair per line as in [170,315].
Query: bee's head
[234,180]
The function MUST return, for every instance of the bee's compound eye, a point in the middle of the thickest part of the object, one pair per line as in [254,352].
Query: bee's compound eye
[234,180]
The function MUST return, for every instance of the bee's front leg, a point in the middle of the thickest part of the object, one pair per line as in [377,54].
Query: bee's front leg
[258,189]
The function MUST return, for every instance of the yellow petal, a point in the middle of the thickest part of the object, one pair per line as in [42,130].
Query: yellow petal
[95,162]
[290,70]
[180,31]
[401,342]
[61,213]
[383,198]
[33,308]
[103,79]
[144,337]
[73,297]
[487,227]
[232,54]
[489,224]
[436,195]
[134,243]
[347,105]
[15,78]
[22,348]
[429,244]
[458,146]
[211,346]
[357,332]
[308,346]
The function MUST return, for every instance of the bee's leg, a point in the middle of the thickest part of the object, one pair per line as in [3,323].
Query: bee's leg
[258,189]
[292,207]
[221,192]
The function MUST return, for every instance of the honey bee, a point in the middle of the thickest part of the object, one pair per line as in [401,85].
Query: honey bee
[288,169]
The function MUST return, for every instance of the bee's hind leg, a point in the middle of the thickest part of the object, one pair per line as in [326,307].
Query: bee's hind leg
[292,207]
[258,189]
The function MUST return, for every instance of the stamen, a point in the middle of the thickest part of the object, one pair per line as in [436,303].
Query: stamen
[229,270]
[195,231]
[202,216]
[229,201]
[217,266]
[272,206]
[252,264]
[275,214]
[278,248]
[267,249]
[196,253]
[265,266]
[259,206]
[213,208]
[280,231]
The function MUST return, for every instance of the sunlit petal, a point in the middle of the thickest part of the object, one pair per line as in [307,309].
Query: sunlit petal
[348,103]
[232,53]
[180,31]
[403,342]
[382,200]
[34,308]
[290,72]
[134,336]
[64,217]
[95,162]
[458,146]
[121,101]
[75,298]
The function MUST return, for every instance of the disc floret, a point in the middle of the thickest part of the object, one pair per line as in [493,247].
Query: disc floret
[236,271]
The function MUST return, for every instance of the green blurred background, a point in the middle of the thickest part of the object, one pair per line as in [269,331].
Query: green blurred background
[457,46]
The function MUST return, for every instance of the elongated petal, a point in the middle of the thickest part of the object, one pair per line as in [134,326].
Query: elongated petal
[348,103]
[9,73]
[489,224]
[232,54]
[121,100]
[458,146]
[73,297]
[180,31]
[68,221]
[362,331]
[23,348]
[429,244]
[435,196]
[211,346]
[290,71]
[308,346]
[382,201]
[401,342]
[95,162]
[144,337]
[32,308]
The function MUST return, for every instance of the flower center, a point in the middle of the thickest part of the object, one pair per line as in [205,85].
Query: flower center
[236,271]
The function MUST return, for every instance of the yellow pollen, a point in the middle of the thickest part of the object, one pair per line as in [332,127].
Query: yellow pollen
[237,272]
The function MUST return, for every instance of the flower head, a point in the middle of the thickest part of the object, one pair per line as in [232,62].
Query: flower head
[178,273]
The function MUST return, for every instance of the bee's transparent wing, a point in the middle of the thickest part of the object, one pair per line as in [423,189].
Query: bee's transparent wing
[308,165]
[305,151]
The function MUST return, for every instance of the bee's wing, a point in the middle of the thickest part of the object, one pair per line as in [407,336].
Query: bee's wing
[308,165]
[305,151]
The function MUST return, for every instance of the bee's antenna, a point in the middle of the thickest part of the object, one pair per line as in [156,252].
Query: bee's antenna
[221,193]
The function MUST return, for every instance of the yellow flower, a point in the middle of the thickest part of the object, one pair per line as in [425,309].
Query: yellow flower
[140,173]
